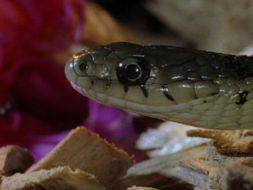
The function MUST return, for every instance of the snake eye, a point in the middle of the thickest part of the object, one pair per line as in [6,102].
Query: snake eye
[133,71]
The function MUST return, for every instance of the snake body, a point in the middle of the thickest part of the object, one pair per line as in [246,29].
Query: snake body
[194,87]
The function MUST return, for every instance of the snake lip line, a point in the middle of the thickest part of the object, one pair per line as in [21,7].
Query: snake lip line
[106,99]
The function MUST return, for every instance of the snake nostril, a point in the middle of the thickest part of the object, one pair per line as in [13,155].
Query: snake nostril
[82,63]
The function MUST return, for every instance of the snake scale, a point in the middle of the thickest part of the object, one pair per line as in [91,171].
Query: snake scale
[194,87]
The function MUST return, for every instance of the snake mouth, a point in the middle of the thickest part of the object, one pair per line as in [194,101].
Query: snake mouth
[120,102]
[98,81]
[115,95]
[195,87]
[112,92]
[155,110]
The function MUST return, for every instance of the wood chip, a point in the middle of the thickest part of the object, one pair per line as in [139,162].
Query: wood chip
[239,177]
[141,188]
[14,159]
[229,142]
[84,150]
[60,178]
[167,162]
[201,166]
[154,180]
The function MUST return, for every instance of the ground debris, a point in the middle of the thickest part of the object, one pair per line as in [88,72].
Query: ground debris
[229,142]
[154,180]
[60,178]
[201,166]
[86,151]
[101,165]
[14,159]
[140,188]
[239,176]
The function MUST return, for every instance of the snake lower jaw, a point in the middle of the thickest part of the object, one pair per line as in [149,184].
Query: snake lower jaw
[194,87]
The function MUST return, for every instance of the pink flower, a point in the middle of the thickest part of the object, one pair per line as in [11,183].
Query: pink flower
[114,125]
[42,26]
[37,104]
[36,100]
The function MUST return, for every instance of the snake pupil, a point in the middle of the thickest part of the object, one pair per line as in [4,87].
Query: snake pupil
[83,67]
[133,71]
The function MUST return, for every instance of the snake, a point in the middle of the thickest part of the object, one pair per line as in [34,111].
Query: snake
[185,85]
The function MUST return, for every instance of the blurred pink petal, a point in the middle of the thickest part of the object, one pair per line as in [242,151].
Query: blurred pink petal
[42,90]
[111,123]
[42,145]
[24,130]
[37,104]
[114,125]
[36,101]
[42,26]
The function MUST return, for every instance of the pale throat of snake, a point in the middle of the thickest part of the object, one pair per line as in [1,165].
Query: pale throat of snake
[164,82]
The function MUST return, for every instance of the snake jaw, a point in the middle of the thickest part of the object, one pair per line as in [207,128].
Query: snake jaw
[69,68]
[189,86]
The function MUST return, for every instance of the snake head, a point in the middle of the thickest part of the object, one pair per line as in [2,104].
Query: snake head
[110,71]
[124,62]
[137,78]
[170,83]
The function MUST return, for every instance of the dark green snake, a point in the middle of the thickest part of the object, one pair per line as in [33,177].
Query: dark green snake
[194,87]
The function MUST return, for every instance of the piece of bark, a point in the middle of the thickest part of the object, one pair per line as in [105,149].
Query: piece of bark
[85,150]
[167,162]
[207,171]
[155,180]
[171,166]
[14,159]
[201,166]
[141,188]
[229,142]
[239,177]
[60,178]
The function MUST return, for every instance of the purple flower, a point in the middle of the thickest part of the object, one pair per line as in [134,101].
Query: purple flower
[36,100]
[37,104]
